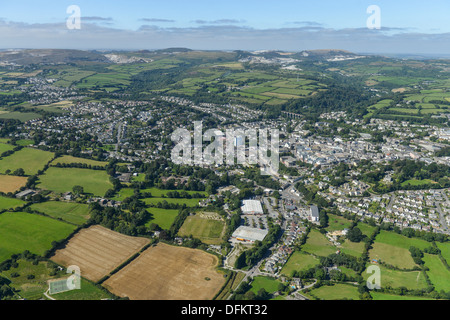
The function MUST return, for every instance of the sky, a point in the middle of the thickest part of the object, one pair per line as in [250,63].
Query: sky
[414,27]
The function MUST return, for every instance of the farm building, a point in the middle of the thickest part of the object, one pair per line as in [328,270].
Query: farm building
[248,234]
[252,207]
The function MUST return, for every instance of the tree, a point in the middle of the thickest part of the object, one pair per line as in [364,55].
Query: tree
[19,172]
[355,235]
[78,190]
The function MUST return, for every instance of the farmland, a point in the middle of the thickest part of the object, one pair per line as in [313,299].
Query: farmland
[266,283]
[10,203]
[72,212]
[71,160]
[438,273]
[299,261]
[162,217]
[166,272]
[98,251]
[95,182]
[23,231]
[396,279]
[30,160]
[336,292]
[11,183]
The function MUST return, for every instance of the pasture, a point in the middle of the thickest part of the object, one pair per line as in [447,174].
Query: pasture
[24,231]
[10,203]
[72,212]
[336,292]
[71,160]
[299,261]
[396,279]
[166,272]
[30,160]
[439,275]
[94,182]
[162,217]
[318,244]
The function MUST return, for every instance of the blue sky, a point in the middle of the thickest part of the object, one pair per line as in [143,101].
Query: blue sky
[230,24]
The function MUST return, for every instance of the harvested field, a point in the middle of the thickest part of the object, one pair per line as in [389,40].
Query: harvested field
[11,183]
[98,251]
[166,272]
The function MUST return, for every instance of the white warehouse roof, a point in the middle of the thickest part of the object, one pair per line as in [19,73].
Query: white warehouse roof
[252,207]
[250,234]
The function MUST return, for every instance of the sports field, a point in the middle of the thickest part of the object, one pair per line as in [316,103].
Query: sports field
[208,231]
[95,182]
[166,272]
[22,231]
[98,251]
[30,160]
[77,213]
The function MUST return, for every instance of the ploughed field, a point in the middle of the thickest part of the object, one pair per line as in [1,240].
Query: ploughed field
[165,272]
[98,251]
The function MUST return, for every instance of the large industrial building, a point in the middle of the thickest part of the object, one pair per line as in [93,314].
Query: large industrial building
[248,234]
[252,207]
[314,214]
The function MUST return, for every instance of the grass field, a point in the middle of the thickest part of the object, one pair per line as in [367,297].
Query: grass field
[21,116]
[439,275]
[159,193]
[396,279]
[33,289]
[366,229]
[386,297]
[69,160]
[10,203]
[393,248]
[318,244]
[123,194]
[162,217]
[355,249]
[5,147]
[269,284]
[95,182]
[11,183]
[299,261]
[336,292]
[187,202]
[23,231]
[445,250]
[206,230]
[30,160]
[76,213]
[336,223]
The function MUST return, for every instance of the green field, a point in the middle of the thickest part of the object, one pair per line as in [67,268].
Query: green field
[162,217]
[393,249]
[439,275]
[269,284]
[366,229]
[10,203]
[21,116]
[24,231]
[318,244]
[31,160]
[355,249]
[386,297]
[299,261]
[94,182]
[34,289]
[72,212]
[336,223]
[187,202]
[445,250]
[206,230]
[124,193]
[336,292]
[5,147]
[69,160]
[396,279]
[159,193]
